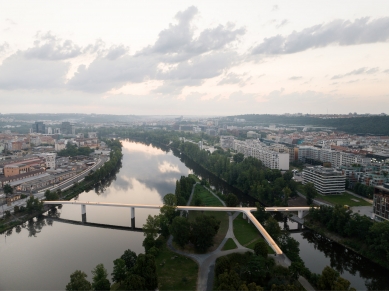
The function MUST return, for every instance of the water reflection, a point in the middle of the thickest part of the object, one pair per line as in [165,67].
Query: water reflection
[348,262]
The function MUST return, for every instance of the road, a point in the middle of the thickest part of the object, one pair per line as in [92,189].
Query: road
[63,186]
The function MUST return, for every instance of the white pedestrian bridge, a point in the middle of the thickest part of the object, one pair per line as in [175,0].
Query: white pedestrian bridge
[245,210]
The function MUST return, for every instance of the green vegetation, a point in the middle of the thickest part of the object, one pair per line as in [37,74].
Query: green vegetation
[245,232]
[175,272]
[205,197]
[363,190]
[365,236]
[229,245]
[344,199]
[359,124]
[252,272]
[73,150]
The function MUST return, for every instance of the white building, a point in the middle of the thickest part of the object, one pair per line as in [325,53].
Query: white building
[226,141]
[49,159]
[326,155]
[326,180]
[60,145]
[270,158]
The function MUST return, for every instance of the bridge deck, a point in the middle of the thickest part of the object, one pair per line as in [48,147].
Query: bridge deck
[246,210]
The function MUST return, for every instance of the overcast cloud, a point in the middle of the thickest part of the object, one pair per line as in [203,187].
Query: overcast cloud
[127,58]
[341,32]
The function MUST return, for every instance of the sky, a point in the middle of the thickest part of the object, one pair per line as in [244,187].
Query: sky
[194,57]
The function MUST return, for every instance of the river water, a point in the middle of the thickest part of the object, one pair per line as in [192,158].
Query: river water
[43,253]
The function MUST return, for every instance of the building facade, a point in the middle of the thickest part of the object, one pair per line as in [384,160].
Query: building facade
[326,180]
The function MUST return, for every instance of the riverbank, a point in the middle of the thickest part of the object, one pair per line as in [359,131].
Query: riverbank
[110,167]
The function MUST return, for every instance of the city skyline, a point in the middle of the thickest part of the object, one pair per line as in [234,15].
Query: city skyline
[194,58]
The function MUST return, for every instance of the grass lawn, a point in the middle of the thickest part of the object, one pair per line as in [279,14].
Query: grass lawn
[343,199]
[207,198]
[176,272]
[229,245]
[194,177]
[247,234]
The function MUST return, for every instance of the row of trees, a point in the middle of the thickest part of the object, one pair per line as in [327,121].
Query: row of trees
[368,238]
[363,190]
[249,174]
[130,272]
[72,150]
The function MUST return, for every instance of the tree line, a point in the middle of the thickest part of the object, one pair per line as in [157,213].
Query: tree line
[72,150]
[367,237]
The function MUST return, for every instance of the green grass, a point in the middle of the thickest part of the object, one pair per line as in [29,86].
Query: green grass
[194,177]
[207,198]
[342,199]
[247,234]
[229,245]
[176,272]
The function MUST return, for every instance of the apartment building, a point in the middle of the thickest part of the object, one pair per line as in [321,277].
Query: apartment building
[326,180]
[270,158]
[326,155]
[381,202]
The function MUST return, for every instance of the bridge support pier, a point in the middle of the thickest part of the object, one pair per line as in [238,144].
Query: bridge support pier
[244,215]
[133,217]
[83,212]
[300,213]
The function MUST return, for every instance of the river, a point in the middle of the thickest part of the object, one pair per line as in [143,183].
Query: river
[43,253]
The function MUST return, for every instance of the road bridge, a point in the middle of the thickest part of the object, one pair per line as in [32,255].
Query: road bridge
[245,210]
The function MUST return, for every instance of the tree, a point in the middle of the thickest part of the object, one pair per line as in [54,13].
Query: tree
[145,267]
[148,243]
[129,258]
[260,249]
[229,281]
[232,200]
[331,280]
[170,200]
[34,204]
[51,195]
[204,229]
[134,282]
[311,192]
[152,226]
[100,281]
[8,189]
[273,229]
[119,270]
[78,281]
[238,158]
[180,229]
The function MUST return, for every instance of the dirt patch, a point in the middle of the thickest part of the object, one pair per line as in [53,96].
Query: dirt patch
[298,201]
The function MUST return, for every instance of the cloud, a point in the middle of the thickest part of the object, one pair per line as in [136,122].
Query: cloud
[294,78]
[341,32]
[104,74]
[18,72]
[116,52]
[231,78]
[177,43]
[282,23]
[49,47]
[177,58]
[4,47]
[386,71]
[359,71]
[275,8]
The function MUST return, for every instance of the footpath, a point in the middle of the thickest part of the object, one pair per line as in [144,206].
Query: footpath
[206,262]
